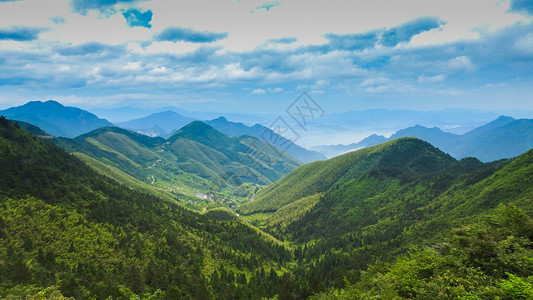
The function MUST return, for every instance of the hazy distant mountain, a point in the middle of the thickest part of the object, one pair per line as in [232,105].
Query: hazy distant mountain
[504,137]
[261,132]
[56,119]
[334,150]
[452,120]
[162,123]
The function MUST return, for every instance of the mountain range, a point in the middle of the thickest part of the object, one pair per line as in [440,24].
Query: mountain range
[65,230]
[166,123]
[399,220]
[195,161]
[158,124]
[504,137]
[206,215]
[266,134]
[64,121]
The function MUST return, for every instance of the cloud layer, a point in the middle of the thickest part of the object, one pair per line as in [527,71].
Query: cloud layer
[20,33]
[421,54]
[177,34]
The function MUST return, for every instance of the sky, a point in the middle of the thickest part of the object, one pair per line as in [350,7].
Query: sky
[252,56]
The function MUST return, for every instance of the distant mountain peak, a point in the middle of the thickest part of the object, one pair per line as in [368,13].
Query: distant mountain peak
[167,113]
[55,118]
[52,102]
[197,130]
[221,118]
[169,121]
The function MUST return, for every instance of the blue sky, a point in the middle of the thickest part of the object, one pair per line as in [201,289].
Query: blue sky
[258,56]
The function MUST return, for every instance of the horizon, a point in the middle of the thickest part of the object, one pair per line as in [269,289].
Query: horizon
[348,56]
[325,130]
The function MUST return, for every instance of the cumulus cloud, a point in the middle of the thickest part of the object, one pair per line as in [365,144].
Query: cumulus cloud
[286,40]
[387,37]
[84,6]
[426,79]
[175,34]
[405,32]
[93,48]
[20,33]
[357,41]
[461,63]
[258,91]
[136,18]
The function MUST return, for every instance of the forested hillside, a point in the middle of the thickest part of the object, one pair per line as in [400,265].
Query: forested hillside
[63,225]
[196,160]
[393,221]
[377,203]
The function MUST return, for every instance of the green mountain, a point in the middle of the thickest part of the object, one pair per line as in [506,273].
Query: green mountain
[65,230]
[197,162]
[266,134]
[398,220]
[55,118]
[378,202]
[318,177]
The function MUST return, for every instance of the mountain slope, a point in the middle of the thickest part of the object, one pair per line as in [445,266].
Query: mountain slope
[196,161]
[318,177]
[239,156]
[63,225]
[158,124]
[376,203]
[263,133]
[55,118]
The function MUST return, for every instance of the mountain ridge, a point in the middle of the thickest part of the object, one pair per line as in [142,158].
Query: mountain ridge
[56,119]
[489,142]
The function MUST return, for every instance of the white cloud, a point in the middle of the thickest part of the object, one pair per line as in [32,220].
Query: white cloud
[525,44]
[374,81]
[461,63]
[495,85]
[426,79]
[258,91]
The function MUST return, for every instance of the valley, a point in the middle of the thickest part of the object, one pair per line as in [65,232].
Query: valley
[249,221]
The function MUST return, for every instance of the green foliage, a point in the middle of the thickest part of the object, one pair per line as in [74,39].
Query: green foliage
[486,260]
[61,224]
[399,220]
[406,155]
[195,159]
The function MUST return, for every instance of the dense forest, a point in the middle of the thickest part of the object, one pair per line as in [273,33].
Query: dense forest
[398,220]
